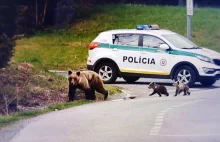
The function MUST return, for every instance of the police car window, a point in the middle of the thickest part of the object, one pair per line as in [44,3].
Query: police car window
[179,41]
[151,41]
[126,39]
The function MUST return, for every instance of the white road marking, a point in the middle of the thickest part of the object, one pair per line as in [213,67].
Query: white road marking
[162,113]
[154,131]
[158,124]
[156,127]
[159,118]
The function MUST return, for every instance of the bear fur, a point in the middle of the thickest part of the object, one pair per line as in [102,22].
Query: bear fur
[180,87]
[88,81]
[159,89]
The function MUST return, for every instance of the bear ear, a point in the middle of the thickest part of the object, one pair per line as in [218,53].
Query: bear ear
[69,72]
[78,73]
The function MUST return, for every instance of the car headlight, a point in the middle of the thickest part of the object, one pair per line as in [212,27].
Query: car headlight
[203,58]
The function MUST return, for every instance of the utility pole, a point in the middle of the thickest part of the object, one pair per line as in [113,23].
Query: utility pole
[189,6]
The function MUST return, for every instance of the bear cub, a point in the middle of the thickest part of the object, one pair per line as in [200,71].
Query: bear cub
[159,89]
[181,87]
[88,81]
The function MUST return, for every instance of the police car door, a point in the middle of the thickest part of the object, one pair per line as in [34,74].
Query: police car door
[154,61]
[125,51]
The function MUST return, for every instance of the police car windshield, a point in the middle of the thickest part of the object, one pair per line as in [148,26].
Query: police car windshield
[180,41]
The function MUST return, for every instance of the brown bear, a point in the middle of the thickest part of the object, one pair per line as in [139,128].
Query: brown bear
[159,89]
[88,81]
[181,87]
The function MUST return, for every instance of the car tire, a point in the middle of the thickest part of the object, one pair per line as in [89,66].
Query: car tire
[107,71]
[131,79]
[186,75]
[208,82]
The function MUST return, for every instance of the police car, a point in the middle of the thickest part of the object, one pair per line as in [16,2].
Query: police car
[151,52]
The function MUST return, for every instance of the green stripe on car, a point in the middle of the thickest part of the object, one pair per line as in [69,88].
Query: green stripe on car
[152,50]
[182,53]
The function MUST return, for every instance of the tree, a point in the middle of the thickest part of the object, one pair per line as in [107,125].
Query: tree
[7,30]
[6,50]
[7,17]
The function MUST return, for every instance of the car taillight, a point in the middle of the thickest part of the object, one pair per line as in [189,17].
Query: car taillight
[93,45]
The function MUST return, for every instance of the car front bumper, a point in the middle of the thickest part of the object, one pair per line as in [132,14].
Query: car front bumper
[216,77]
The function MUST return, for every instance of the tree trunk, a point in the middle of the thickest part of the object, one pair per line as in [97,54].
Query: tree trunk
[6,107]
[45,9]
[36,11]
[6,104]
[17,97]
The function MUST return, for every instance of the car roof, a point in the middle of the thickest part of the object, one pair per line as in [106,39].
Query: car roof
[155,32]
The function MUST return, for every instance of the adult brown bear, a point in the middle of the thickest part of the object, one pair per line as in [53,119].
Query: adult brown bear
[88,81]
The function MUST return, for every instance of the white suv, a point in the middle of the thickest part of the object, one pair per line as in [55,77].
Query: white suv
[148,51]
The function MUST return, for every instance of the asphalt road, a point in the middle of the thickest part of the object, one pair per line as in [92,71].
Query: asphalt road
[194,118]
[140,88]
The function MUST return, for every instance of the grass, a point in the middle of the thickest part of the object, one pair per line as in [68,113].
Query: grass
[6,120]
[37,93]
[66,49]
[113,89]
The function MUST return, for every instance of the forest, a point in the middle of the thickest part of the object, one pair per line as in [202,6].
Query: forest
[24,16]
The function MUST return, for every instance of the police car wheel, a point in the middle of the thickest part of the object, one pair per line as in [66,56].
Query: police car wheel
[130,79]
[186,75]
[207,82]
[107,71]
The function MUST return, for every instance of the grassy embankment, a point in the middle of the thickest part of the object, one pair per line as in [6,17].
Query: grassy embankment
[68,48]
[6,120]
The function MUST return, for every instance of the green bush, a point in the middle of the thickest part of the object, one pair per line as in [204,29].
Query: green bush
[6,50]
[7,29]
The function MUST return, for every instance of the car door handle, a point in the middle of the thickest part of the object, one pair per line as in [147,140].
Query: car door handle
[115,49]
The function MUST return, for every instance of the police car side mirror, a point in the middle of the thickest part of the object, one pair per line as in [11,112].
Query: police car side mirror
[164,46]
